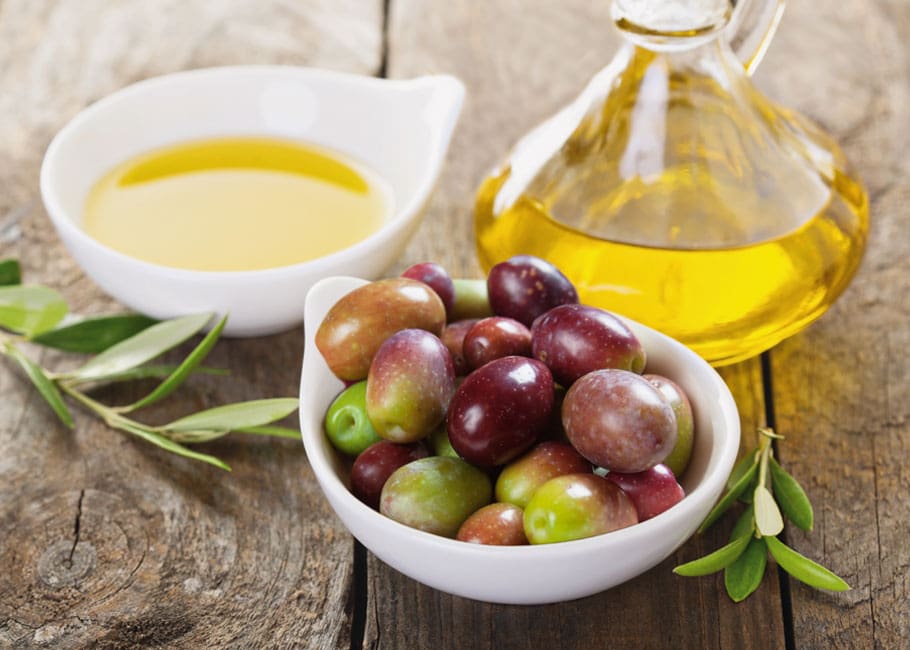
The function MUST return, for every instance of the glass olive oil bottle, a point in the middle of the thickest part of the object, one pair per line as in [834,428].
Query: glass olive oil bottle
[671,191]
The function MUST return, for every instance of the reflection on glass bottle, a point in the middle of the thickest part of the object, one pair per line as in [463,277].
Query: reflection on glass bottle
[672,192]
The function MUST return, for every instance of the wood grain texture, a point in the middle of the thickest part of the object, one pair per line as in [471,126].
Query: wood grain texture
[842,388]
[106,541]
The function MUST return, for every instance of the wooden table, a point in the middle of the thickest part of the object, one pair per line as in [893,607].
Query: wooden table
[169,552]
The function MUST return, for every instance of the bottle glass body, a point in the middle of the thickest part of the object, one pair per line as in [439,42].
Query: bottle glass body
[672,192]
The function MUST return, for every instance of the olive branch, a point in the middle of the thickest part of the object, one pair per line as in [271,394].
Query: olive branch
[123,346]
[768,490]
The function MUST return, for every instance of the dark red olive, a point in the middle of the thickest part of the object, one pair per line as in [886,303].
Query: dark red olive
[375,464]
[574,340]
[493,338]
[524,287]
[500,410]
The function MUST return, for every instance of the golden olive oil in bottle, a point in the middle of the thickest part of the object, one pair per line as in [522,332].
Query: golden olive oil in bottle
[672,192]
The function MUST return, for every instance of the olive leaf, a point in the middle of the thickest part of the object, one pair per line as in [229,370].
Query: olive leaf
[742,466]
[730,497]
[10,273]
[242,415]
[280,432]
[745,525]
[30,309]
[42,382]
[804,569]
[744,575]
[158,371]
[791,497]
[715,561]
[184,370]
[123,345]
[156,438]
[767,515]
[744,559]
[93,335]
[142,347]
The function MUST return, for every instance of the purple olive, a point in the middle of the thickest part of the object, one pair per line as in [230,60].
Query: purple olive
[652,491]
[437,278]
[619,421]
[375,464]
[409,387]
[524,287]
[574,340]
[500,410]
[493,338]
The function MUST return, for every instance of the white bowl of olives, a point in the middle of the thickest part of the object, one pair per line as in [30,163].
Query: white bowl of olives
[534,477]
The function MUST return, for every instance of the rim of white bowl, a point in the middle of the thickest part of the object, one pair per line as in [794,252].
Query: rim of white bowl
[702,498]
[398,221]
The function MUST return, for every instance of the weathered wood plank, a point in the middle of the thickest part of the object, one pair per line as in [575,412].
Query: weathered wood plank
[842,388]
[104,540]
[520,62]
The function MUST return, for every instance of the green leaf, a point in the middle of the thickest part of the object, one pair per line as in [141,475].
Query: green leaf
[791,497]
[278,432]
[30,309]
[804,569]
[232,417]
[150,372]
[10,273]
[745,574]
[745,525]
[730,497]
[42,382]
[767,514]
[94,335]
[715,561]
[157,439]
[142,347]
[744,465]
[184,370]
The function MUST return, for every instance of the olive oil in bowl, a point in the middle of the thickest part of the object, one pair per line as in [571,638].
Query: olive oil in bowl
[236,204]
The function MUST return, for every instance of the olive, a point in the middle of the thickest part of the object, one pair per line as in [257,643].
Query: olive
[574,340]
[524,287]
[495,337]
[409,387]
[574,506]
[347,424]
[360,321]
[500,409]
[435,494]
[678,460]
[619,421]
[437,278]
[375,464]
[498,524]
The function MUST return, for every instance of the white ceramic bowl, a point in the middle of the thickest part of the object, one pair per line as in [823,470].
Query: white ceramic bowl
[527,574]
[401,129]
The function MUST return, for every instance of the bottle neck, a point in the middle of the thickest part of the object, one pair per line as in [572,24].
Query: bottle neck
[671,24]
